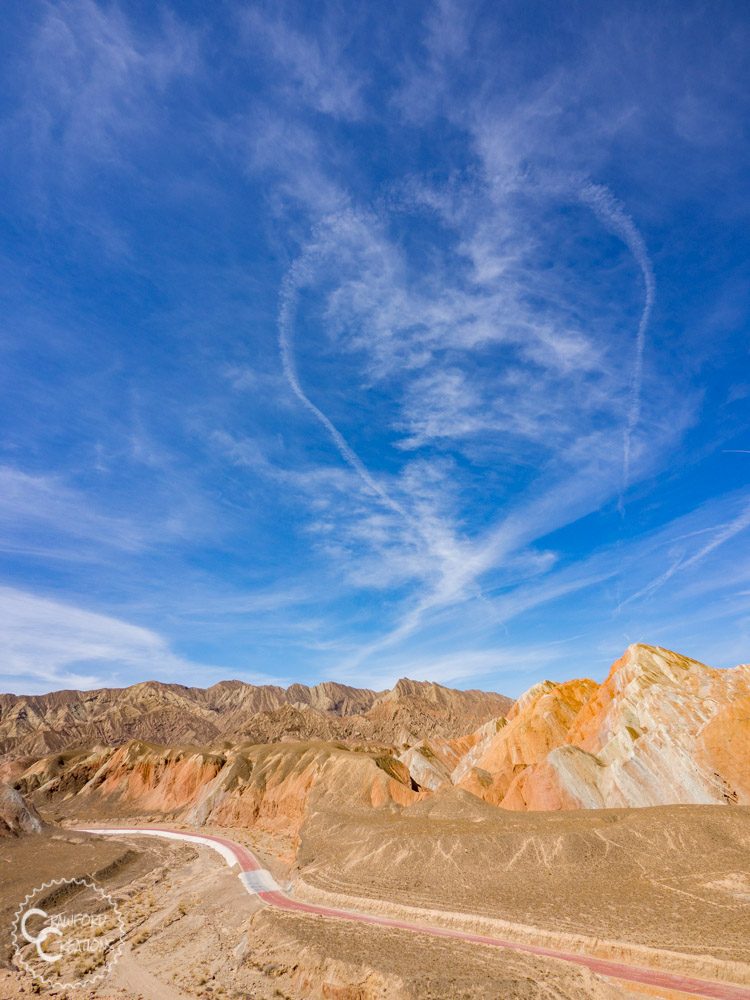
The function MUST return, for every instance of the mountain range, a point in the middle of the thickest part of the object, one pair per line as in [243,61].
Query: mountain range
[232,710]
[661,729]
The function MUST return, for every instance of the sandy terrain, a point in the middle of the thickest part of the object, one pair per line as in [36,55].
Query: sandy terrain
[195,932]
[28,862]
[672,877]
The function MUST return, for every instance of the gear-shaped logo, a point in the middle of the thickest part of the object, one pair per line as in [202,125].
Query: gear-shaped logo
[69,932]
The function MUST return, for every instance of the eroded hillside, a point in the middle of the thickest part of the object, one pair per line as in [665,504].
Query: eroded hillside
[172,714]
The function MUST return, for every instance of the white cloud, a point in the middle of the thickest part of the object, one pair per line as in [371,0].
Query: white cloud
[549,396]
[501,350]
[49,644]
[490,371]
[43,515]
[481,666]
[40,513]
[91,80]
[60,645]
[313,68]
[611,212]
[721,533]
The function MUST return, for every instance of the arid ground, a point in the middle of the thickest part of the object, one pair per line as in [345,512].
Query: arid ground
[194,932]
[350,806]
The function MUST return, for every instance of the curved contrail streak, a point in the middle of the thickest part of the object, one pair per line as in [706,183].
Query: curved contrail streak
[603,203]
[289,292]
[612,214]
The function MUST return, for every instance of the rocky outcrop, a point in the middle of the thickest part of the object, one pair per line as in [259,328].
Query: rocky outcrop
[414,710]
[536,724]
[426,768]
[17,816]
[662,729]
[163,713]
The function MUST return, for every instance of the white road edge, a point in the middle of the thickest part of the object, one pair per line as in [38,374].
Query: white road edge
[260,880]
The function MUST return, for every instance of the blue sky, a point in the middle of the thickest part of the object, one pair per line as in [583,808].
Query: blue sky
[356,341]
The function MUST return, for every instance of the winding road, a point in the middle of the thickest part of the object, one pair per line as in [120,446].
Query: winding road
[259,881]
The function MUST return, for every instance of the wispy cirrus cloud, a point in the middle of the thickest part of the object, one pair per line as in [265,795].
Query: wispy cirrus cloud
[314,68]
[93,82]
[53,644]
[720,534]
[45,515]
[556,399]
[40,513]
[611,212]
[519,376]
[382,330]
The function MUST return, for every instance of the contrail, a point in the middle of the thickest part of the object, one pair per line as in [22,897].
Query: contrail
[603,203]
[298,272]
[727,531]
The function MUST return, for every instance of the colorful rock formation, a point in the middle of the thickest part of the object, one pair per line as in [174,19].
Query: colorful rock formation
[662,729]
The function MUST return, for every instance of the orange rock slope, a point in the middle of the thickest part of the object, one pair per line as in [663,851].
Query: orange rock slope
[271,787]
[662,729]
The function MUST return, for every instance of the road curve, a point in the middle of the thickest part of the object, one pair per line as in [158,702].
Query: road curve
[259,881]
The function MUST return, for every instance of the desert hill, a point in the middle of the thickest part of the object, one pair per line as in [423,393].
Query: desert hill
[271,788]
[499,817]
[603,873]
